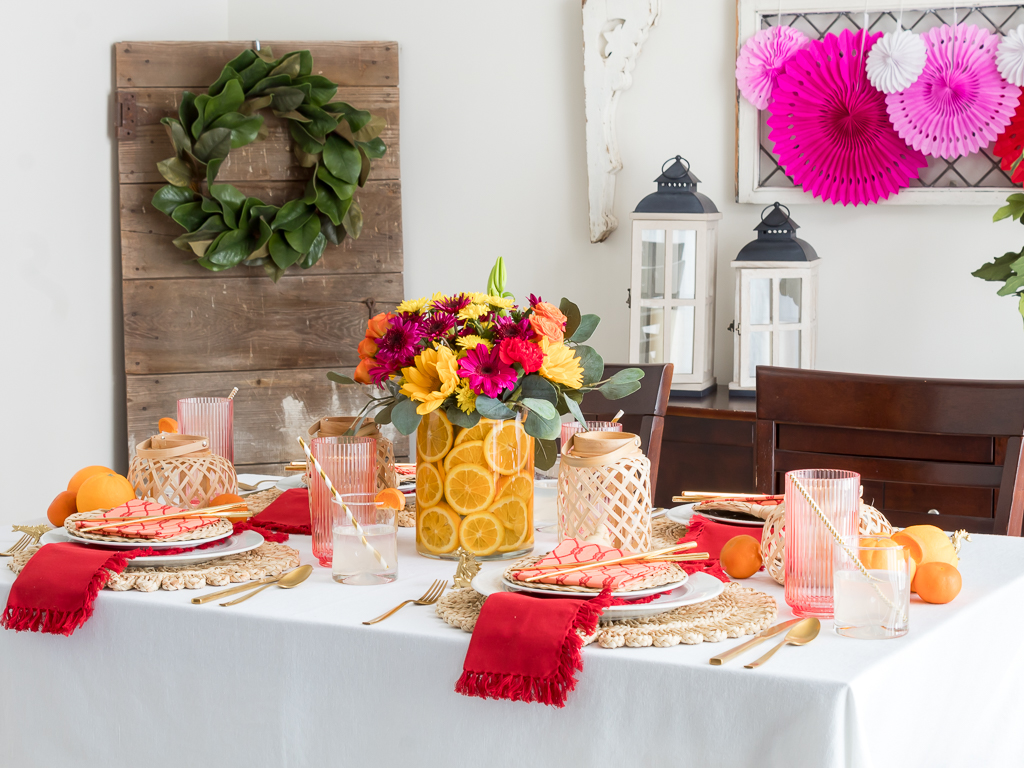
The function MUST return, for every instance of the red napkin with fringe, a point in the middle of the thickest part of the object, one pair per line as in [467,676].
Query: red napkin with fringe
[289,513]
[711,536]
[528,648]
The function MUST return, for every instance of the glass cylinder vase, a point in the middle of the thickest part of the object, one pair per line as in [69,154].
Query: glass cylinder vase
[351,463]
[474,488]
[212,418]
[810,546]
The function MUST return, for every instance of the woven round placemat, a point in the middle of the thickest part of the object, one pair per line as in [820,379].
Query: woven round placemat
[669,575]
[665,533]
[267,559]
[262,499]
[738,611]
[207,531]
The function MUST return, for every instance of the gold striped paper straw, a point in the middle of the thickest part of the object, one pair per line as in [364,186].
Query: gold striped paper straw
[233,393]
[337,497]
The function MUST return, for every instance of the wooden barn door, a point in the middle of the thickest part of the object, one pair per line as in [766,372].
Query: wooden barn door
[191,332]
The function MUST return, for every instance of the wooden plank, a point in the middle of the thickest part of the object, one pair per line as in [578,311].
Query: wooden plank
[268,160]
[198,64]
[146,234]
[249,324]
[810,438]
[272,408]
[890,470]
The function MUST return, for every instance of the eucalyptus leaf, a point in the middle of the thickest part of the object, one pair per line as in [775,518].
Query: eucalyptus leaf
[383,416]
[322,89]
[373,149]
[190,215]
[588,324]
[545,453]
[342,159]
[460,418]
[353,219]
[537,387]
[574,408]
[618,390]
[316,250]
[282,253]
[572,316]
[292,215]
[493,409]
[538,427]
[404,416]
[338,378]
[169,197]
[243,129]
[592,362]
[301,239]
[542,408]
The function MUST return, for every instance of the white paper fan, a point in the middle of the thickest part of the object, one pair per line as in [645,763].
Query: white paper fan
[896,61]
[1010,56]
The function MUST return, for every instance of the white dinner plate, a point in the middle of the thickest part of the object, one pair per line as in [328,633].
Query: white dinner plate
[682,515]
[232,545]
[299,481]
[698,588]
[138,544]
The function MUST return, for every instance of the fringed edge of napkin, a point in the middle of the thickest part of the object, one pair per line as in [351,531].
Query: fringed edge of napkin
[65,622]
[551,690]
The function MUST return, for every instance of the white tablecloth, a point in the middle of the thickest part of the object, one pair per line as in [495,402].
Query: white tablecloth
[292,678]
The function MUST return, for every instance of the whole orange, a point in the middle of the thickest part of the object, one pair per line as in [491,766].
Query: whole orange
[104,492]
[84,474]
[230,498]
[937,582]
[741,556]
[62,505]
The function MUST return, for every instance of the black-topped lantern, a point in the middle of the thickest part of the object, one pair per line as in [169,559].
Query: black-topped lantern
[776,300]
[672,283]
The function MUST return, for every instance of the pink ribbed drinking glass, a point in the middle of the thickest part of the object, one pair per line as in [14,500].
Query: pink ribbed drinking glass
[570,428]
[809,552]
[351,463]
[212,418]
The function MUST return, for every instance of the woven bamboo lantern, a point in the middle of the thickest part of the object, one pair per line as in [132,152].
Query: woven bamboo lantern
[180,470]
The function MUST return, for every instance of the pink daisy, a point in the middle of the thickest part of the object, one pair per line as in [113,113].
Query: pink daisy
[486,373]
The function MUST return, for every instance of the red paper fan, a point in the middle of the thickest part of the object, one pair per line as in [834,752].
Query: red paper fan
[830,128]
[1010,145]
[960,102]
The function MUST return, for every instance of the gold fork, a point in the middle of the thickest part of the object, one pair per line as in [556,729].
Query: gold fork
[29,535]
[430,597]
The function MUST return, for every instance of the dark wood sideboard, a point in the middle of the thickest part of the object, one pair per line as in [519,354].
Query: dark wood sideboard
[708,445]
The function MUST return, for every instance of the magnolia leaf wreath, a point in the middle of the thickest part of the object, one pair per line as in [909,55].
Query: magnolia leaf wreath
[225,228]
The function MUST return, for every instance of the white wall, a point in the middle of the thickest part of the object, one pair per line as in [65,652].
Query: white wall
[493,165]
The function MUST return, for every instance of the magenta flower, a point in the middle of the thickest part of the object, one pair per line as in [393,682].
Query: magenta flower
[535,300]
[486,374]
[453,304]
[438,324]
[508,328]
[399,342]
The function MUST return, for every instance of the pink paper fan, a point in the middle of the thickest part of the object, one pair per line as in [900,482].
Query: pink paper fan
[830,128]
[960,103]
[761,60]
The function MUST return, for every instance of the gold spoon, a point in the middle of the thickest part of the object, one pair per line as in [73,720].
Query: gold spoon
[291,579]
[800,634]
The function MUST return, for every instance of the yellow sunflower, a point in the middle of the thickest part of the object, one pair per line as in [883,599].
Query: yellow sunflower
[561,364]
[423,383]
[473,311]
[465,397]
[412,305]
[470,342]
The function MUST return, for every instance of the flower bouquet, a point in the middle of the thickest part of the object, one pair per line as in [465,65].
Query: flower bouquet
[484,383]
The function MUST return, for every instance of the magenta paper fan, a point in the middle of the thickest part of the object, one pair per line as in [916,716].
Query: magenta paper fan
[761,61]
[830,128]
[960,103]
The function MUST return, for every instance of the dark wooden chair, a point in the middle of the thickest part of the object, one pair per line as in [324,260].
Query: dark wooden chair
[644,410]
[921,446]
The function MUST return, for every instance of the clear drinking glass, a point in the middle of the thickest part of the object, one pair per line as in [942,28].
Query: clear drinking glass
[570,428]
[212,418]
[872,595]
[809,552]
[351,463]
[353,563]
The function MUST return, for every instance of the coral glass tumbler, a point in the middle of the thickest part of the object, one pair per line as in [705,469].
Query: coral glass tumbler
[212,418]
[351,463]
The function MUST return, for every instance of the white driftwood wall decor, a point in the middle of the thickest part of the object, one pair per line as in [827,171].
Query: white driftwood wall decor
[613,33]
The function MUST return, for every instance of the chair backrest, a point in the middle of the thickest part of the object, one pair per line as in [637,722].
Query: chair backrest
[644,409]
[919,444]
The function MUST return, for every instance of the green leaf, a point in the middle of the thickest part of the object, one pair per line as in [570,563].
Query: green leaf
[243,60]
[338,108]
[226,74]
[245,218]
[282,253]
[277,81]
[493,409]
[252,106]
[545,453]
[304,140]
[319,122]
[572,316]
[289,66]
[999,269]
[228,196]
[176,171]
[305,63]
[203,262]
[1020,306]
[371,129]
[329,230]
[292,215]
[187,112]
[1014,207]
[337,378]
[373,149]
[364,170]
[616,391]
[286,98]
[266,54]
[357,119]
[323,90]
[404,416]
[305,159]
[541,428]
[574,408]
[212,168]
[462,419]
[383,416]
[316,250]
[230,249]
[190,215]
[206,233]
[253,73]
[342,159]
[213,144]
[198,121]
[1014,284]
[328,203]
[243,129]
[301,239]
[592,362]
[341,189]
[542,408]
[537,387]
[228,101]
[353,219]
[178,135]
[169,197]
[588,324]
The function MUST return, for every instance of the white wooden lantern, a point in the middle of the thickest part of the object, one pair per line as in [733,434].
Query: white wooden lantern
[672,283]
[776,301]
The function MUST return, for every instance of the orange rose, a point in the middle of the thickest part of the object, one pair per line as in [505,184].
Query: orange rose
[362,374]
[367,348]
[378,325]
[547,322]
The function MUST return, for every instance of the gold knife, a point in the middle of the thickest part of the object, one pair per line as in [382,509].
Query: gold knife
[233,591]
[757,640]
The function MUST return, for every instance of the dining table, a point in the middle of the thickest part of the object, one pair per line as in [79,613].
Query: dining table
[294,678]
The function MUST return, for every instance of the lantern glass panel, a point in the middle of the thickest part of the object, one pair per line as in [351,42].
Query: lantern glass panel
[652,264]
[789,349]
[682,339]
[790,289]
[684,263]
[652,335]
[760,301]
[760,349]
